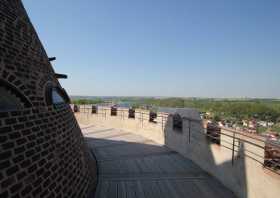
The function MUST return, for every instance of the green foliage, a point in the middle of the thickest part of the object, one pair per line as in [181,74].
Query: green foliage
[135,106]
[168,102]
[226,109]
[237,110]
[260,109]
[217,118]
[87,101]
[276,128]
[261,130]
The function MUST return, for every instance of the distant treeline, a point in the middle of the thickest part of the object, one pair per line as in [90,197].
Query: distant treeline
[268,110]
[87,101]
[260,109]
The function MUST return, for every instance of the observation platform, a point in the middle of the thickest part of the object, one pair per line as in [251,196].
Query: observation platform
[131,166]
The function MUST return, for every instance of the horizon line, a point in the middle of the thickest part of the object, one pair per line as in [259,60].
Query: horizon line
[187,97]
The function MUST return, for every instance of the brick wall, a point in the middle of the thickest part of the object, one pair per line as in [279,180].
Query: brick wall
[23,60]
[42,151]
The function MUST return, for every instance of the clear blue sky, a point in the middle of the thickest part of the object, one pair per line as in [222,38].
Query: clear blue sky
[203,48]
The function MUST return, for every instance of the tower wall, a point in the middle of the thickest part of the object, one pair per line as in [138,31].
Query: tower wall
[42,151]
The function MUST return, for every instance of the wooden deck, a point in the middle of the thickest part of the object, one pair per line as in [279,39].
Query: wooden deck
[131,166]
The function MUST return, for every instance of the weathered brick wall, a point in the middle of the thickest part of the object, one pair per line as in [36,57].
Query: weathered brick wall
[42,151]
[43,154]
[23,60]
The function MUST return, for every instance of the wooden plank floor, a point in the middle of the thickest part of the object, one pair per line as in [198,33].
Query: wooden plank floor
[131,166]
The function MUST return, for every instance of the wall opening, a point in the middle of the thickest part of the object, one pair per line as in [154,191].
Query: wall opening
[152,117]
[56,95]
[131,113]
[76,109]
[213,133]
[114,111]
[272,155]
[94,109]
[177,122]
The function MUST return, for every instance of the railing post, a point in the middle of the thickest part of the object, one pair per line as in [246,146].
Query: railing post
[142,118]
[87,113]
[189,127]
[162,123]
[233,148]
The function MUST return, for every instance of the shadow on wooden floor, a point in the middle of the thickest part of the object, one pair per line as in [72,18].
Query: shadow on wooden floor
[132,166]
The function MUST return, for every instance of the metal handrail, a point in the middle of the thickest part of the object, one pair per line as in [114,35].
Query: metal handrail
[238,137]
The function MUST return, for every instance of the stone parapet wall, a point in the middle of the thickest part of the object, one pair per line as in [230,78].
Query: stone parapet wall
[242,171]
[140,124]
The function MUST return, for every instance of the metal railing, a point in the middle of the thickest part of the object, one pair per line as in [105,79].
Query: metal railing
[257,148]
[254,147]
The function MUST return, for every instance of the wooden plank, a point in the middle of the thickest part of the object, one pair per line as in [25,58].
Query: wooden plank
[104,186]
[147,189]
[174,192]
[130,189]
[112,190]
[165,193]
[189,189]
[139,170]
[121,190]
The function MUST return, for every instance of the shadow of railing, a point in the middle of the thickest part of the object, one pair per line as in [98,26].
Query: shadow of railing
[156,170]
[225,162]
